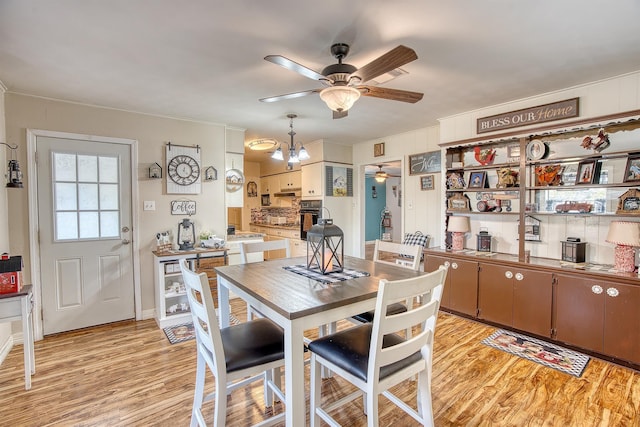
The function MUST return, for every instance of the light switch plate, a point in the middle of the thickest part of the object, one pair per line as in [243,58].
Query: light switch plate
[149,205]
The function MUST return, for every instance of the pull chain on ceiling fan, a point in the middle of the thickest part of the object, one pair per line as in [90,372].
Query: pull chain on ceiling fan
[345,82]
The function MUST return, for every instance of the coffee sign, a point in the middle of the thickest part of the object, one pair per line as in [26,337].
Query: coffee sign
[529,116]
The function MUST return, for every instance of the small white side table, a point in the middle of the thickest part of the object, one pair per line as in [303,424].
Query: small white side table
[19,306]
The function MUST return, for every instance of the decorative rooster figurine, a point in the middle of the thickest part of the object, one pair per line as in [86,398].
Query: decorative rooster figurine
[484,156]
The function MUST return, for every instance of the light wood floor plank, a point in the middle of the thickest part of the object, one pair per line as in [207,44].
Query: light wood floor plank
[127,374]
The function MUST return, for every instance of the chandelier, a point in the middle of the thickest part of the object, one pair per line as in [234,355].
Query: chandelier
[294,157]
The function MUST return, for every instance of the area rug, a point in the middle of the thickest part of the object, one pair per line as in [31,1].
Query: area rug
[542,352]
[332,277]
[185,331]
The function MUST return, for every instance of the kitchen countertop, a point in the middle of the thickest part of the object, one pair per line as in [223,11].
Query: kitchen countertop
[242,235]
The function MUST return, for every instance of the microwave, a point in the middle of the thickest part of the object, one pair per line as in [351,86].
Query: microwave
[265,200]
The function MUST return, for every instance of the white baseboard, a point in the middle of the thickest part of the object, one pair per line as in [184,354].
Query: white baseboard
[149,314]
[6,348]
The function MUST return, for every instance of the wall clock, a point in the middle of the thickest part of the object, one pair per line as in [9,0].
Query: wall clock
[183,169]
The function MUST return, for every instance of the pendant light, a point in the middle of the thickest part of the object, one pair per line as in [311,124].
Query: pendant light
[294,156]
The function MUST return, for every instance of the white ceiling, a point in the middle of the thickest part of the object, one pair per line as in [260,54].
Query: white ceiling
[203,59]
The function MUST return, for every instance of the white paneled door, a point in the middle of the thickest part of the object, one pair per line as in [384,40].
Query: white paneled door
[84,217]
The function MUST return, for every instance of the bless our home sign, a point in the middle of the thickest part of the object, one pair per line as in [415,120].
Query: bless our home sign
[529,116]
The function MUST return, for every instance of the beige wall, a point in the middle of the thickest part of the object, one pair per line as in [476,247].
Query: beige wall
[5,328]
[151,132]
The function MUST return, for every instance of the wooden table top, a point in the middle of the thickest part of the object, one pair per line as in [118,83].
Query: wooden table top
[294,296]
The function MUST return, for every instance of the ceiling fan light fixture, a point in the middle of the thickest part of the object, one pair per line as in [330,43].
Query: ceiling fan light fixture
[262,144]
[379,177]
[340,98]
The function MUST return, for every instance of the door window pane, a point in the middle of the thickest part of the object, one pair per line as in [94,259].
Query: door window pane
[86,195]
[108,196]
[66,197]
[109,169]
[109,224]
[64,167]
[87,168]
[66,225]
[89,225]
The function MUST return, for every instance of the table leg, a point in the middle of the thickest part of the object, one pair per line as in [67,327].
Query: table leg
[224,310]
[27,337]
[294,374]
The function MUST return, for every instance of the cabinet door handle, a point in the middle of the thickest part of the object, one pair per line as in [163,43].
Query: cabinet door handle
[508,274]
[613,292]
[454,265]
[519,276]
[447,264]
[596,289]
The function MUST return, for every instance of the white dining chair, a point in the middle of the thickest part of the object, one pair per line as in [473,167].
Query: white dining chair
[236,356]
[256,247]
[375,357]
[406,256]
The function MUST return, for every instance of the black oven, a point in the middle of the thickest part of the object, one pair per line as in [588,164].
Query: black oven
[309,214]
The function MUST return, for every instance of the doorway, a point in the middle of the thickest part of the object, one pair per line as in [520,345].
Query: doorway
[383,203]
[81,211]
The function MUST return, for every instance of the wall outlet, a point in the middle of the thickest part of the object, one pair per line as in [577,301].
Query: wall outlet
[149,205]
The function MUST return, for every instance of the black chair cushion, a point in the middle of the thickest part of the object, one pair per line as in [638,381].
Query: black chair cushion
[252,343]
[367,317]
[349,349]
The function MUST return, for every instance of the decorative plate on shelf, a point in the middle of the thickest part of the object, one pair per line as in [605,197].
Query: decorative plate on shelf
[537,150]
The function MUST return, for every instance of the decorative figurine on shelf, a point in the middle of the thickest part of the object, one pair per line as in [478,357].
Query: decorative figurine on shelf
[549,175]
[597,144]
[507,177]
[484,156]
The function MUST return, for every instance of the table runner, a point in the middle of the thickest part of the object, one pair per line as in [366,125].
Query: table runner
[332,277]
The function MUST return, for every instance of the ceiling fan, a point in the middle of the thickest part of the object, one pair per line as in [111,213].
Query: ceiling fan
[380,175]
[345,83]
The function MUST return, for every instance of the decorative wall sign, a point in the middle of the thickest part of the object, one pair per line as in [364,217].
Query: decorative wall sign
[426,182]
[528,116]
[378,149]
[252,189]
[183,207]
[458,202]
[429,162]
[183,169]
[339,181]
[234,179]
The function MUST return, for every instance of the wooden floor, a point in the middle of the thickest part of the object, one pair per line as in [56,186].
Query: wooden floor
[127,374]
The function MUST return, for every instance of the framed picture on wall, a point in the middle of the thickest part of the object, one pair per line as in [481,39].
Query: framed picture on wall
[426,182]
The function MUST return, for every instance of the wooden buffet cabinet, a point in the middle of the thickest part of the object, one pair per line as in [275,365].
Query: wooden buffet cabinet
[597,312]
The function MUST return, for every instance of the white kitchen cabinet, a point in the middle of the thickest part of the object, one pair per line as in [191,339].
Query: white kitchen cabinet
[290,181]
[312,180]
[172,305]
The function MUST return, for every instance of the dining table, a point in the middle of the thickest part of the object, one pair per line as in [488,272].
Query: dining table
[298,303]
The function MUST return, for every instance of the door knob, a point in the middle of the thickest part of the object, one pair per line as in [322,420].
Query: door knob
[125,229]
[126,241]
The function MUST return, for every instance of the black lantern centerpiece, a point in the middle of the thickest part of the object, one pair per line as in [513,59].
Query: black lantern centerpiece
[484,241]
[325,247]
[186,234]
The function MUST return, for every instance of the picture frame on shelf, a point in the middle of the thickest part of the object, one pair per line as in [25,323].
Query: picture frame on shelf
[588,172]
[426,182]
[632,171]
[458,202]
[477,179]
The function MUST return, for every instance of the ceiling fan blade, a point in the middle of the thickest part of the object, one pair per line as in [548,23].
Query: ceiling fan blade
[340,114]
[391,60]
[289,95]
[294,66]
[392,94]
